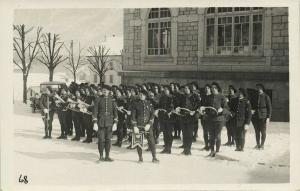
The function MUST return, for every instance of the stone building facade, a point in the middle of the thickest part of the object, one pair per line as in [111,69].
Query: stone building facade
[241,46]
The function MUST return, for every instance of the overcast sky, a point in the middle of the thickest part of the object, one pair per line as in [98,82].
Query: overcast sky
[89,26]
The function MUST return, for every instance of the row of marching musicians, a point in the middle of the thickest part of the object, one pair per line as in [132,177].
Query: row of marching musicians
[154,108]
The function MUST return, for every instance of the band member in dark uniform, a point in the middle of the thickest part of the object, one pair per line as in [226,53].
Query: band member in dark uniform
[47,106]
[122,116]
[178,96]
[69,116]
[189,120]
[217,101]
[142,117]
[106,115]
[205,118]
[131,100]
[196,99]
[261,117]
[62,113]
[241,111]
[230,124]
[154,99]
[76,116]
[166,119]
[87,118]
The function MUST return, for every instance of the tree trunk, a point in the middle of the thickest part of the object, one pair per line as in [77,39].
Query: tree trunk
[101,79]
[24,89]
[51,74]
[74,76]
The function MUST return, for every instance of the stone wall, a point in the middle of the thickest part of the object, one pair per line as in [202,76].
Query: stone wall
[280,40]
[187,11]
[187,42]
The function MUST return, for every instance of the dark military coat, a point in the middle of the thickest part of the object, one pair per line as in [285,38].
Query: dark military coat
[105,111]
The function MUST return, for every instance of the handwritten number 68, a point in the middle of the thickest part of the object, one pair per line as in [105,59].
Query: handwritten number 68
[23,180]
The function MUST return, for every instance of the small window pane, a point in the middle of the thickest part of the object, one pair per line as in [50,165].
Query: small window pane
[257,34]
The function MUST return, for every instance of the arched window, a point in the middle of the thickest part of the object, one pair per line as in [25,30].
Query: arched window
[159,31]
[234,31]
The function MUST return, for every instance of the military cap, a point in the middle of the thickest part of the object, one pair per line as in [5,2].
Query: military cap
[261,86]
[243,91]
[232,87]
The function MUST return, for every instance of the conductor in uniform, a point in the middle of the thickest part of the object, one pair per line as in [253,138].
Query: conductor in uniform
[106,114]
[142,119]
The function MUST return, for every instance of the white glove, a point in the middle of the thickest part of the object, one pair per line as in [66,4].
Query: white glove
[202,108]
[220,110]
[156,113]
[177,109]
[114,127]
[135,130]
[129,113]
[192,113]
[46,110]
[267,121]
[95,127]
[147,127]
[252,111]
[246,127]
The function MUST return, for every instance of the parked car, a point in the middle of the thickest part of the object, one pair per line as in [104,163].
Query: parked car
[55,85]
[35,93]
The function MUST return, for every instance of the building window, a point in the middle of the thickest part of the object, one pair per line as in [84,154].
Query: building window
[159,31]
[234,31]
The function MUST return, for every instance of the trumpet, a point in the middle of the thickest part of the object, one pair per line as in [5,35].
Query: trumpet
[121,109]
[158,110]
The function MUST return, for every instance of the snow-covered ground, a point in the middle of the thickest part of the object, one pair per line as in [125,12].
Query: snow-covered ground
[64,162]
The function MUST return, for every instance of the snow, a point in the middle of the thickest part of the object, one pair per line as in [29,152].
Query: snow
[64,162]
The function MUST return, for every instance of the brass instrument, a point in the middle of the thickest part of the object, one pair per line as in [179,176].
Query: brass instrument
[83,107]
[124,110]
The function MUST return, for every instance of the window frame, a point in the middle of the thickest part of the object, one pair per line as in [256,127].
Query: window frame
[159,21]
[215,15]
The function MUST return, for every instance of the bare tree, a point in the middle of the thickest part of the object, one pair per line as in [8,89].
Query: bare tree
[74,64]
[26,52]
[98,60]
[50,48]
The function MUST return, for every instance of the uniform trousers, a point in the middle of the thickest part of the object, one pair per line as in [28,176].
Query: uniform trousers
[48,124]
[260,130]
[206,125]
[230,131]
[69,122]
[215,135]
[151,142]
[62,117]
[77,120]
[156,130]
[104,140]
[188,126]
[88,125]
[168,128]
[240,137]
[121,125]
